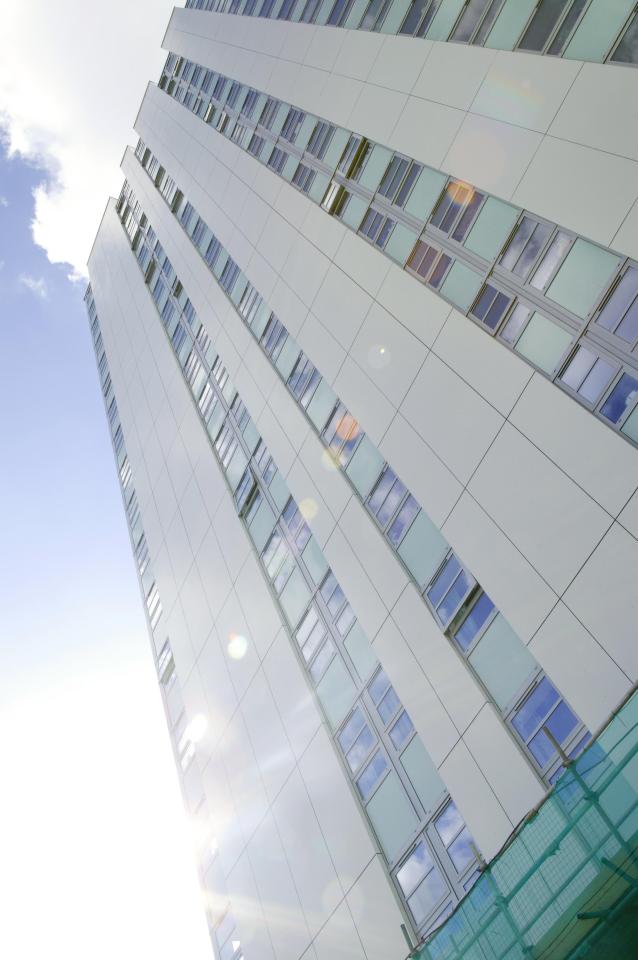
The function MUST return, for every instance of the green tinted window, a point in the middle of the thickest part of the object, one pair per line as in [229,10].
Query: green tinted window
[445,19]
[502,661]
[316,563]
[262,525]
[598,29]
[353,211]
[422,548]
[543,342]
[461,285]
[360,650]
[400,243]
[321,405]
[336,692]
[392,815]
[582,278]
[509,24]
[425,192]
[294,597]
[375,167]
[365,466]
[423,775]
[491,228]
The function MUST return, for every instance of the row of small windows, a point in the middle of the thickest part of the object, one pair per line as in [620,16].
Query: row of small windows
[383,753]
[578,29]
[462,609]
[545,293]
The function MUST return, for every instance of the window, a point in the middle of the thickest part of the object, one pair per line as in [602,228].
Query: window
[491,306]
[303,380]
[449,588]
[320,138]
[456,210]
[543,709]
[587,374]
[422,884]
[475,620]
[455,837]
[524,246]
[274,337]
[547,17]
[339,13]
[341,434]
[298,528]
[377,227]
[627,49]
[245,492]
[619,312]
[419,17]
[277,159]
[392,506]
[292,124]
[429,263]
[304,177]
[621,399]
[356,740]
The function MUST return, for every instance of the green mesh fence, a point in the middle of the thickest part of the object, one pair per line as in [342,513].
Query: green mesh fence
[566,886]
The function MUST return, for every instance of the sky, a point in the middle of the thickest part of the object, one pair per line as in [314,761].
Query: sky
[96,848]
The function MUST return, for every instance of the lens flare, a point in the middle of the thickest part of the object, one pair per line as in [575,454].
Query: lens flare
[237,646]
[308,508]
[196,728]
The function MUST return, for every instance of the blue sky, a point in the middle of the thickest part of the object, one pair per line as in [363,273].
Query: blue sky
[91,820]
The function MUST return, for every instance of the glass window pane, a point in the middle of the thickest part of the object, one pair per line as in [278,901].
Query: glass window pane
[444,580]
[550,260]
[389,705]
[620,399]
[371,775]
[597,380]
[509,24]
[414,869]
[543,343]
[404,518]
[336,692]
[535,708]
[583,277]
[401,730]
[598,29]
[448,824]
[502,661]
[491,228]
[460,851]
[360,749]
[392,815]
[423,775]
[422,548]
[351,730]
[620,301]
[474,621]
[562,722]
[461,285]
[542,24]
[428,895]
[578,368]
[515,324]
[627,49]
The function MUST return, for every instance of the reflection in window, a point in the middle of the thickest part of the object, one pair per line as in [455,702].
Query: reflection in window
[587,374]
[619,314]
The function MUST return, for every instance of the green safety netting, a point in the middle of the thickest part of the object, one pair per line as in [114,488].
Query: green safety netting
[566,885]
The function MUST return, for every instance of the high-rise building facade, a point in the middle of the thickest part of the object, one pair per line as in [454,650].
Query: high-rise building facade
[366,321]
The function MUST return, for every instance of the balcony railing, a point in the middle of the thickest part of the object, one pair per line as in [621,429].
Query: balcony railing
[566,884]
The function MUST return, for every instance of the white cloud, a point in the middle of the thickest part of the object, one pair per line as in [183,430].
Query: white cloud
[4,202]
[71,81]
[36,285]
